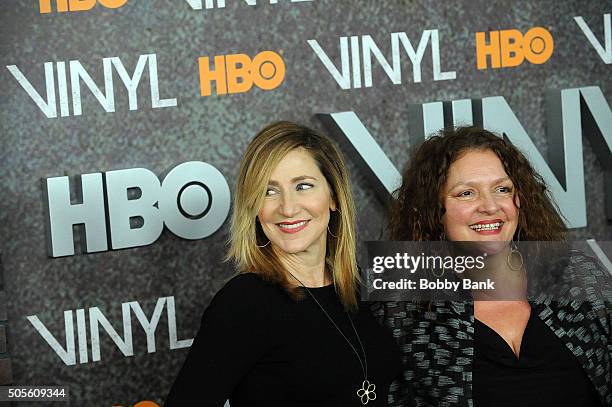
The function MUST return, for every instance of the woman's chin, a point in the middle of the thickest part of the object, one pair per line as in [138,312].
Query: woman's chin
[290,247]
[491,247]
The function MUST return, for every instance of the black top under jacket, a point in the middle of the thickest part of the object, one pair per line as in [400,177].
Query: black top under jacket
[438,346]
[546,373]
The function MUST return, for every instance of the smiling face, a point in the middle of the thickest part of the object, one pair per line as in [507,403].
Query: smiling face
[479,199]
[296,209]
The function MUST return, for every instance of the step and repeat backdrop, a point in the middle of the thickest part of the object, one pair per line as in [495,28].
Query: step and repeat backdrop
[123,122]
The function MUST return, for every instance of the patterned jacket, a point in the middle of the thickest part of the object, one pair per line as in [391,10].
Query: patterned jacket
[437,344]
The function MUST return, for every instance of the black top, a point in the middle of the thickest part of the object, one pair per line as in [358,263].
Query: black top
[258,347]
[546,373]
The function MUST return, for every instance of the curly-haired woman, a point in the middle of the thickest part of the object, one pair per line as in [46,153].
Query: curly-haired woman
[468,184]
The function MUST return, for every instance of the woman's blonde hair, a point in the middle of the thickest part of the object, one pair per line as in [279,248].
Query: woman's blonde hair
[263,154]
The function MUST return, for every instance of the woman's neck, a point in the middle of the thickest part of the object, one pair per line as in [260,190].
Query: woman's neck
[509,284]
[311,279]
[308,268]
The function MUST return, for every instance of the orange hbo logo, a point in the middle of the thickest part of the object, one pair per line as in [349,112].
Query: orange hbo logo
[510,48]
[237,73]
[77,5]
[144,403]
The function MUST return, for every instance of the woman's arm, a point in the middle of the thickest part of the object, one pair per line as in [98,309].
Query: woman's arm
[397,317]
[233,335]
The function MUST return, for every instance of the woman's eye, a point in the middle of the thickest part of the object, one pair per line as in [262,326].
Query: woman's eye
[270,191]
[505,190]
[303,186]
[464,194]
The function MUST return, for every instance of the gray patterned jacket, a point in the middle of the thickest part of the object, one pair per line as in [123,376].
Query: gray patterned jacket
[437,344]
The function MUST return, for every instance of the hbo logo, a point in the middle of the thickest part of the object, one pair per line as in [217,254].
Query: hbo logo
[77,5]
[510,48]
[132,206]
[237,73]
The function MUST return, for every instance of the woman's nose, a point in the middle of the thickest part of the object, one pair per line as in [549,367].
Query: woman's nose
[289,207]
[488,204]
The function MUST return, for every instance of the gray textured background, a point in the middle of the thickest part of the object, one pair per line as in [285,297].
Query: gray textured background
[217,130]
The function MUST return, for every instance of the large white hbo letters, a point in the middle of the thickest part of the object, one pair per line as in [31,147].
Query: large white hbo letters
[131,206]
[570,115]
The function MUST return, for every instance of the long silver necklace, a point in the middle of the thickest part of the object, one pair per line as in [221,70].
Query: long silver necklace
[366,392]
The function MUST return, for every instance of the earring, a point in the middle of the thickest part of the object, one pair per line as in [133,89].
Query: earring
[329,231]
[515,258]
[441,274]
[258,230]
[443,236]
[263,245]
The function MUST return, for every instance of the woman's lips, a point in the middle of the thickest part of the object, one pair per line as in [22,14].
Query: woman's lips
[292,227]
[488,227]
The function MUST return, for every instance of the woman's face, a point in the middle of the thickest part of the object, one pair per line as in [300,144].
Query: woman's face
[479,199]
[296,209]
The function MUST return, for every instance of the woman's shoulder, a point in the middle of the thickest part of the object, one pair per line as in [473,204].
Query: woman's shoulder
[247,289]
[580,259]
[587,271]
[245,281]
[585,289]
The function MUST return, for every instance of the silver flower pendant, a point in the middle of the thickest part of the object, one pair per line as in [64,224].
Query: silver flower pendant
[366,393]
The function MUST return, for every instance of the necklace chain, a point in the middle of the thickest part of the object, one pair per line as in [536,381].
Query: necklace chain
[364,364]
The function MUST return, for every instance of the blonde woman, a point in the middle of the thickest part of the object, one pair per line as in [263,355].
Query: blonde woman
[289,330]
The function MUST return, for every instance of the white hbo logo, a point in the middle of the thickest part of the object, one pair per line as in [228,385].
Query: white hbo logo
[133,206]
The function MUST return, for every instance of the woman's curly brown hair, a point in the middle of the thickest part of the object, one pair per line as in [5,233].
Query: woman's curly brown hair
[417,210]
